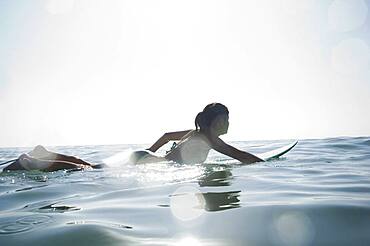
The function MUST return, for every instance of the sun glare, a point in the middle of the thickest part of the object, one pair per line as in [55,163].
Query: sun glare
[187,203]
[90,72]
[187,241]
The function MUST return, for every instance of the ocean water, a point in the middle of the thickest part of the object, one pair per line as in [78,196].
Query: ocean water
[317,194]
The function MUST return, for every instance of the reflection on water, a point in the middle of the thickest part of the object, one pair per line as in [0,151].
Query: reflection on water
[216,178]
[86,222]
[58,208]
[189,200]
[218,201]
[187,203]
[30,188]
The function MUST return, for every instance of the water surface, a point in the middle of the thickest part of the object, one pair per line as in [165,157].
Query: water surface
[317,194]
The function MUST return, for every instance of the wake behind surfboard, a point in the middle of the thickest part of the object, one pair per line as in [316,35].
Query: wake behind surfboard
[276,153]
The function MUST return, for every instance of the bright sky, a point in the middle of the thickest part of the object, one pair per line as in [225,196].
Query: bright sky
[109,72]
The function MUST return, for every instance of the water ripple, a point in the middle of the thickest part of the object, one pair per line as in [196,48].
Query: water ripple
[23,224]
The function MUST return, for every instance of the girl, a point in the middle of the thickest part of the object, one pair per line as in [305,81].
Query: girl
[194,145]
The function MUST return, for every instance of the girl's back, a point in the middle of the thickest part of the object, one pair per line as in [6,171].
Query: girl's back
[194,148]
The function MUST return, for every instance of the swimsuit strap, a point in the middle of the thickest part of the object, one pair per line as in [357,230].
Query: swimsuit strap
[172,147]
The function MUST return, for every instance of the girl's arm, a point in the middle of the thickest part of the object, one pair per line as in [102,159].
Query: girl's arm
[168,137]
[226,149]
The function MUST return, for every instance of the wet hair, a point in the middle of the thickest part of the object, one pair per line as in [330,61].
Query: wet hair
[205,118]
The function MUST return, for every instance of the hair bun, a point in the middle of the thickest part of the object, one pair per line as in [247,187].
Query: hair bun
[198,120]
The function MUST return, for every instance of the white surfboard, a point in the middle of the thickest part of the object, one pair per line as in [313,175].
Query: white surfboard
[276,152]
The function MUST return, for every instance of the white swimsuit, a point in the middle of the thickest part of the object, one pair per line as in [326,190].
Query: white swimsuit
[191,150]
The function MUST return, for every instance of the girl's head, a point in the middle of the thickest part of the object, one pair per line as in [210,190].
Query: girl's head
[214,119]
